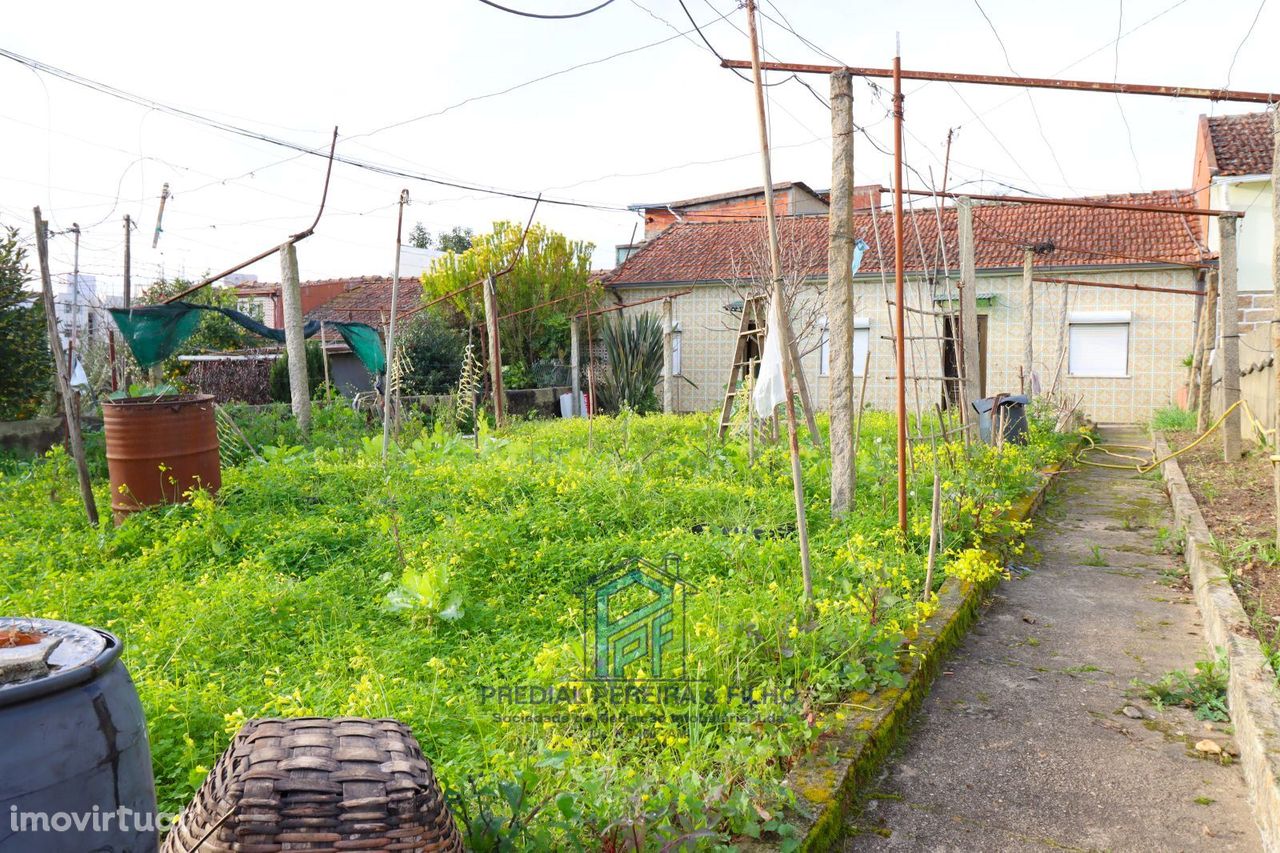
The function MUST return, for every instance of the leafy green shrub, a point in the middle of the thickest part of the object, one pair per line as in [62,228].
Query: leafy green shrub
[434,352]
[1173,419]
[24,337]
[279,379]
[634,348]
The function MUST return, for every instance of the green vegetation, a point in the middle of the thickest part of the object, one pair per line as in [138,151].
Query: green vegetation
[24,336]
[320,582]
[634,365]
[278,379]
[1173,419]
[1203,691]
[551,267]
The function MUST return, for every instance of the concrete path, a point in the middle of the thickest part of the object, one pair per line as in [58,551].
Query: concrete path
[1022,744]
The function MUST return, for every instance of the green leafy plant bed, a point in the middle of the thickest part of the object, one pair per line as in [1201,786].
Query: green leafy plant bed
[451,590]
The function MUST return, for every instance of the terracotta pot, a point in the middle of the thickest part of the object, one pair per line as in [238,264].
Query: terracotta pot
[159,448]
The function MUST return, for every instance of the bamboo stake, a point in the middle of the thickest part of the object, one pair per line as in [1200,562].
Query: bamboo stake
[857,427]
[779,295]
[387,389]
[62,375]
[934,517]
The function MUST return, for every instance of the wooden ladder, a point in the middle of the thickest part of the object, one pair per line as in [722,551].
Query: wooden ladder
[746,352]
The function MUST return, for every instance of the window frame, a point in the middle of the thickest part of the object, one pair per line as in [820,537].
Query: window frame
[1100,320]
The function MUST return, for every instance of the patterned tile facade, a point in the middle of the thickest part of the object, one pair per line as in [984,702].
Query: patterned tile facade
[1160,336]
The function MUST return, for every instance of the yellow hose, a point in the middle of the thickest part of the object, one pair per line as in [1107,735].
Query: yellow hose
[1143,465]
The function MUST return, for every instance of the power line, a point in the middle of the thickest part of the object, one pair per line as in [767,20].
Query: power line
[1030,100]
[524,14]
[1240,46]
[377,168]
[1115,77]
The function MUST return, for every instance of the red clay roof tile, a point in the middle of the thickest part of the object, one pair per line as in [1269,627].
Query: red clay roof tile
[1242,144]
[718,251]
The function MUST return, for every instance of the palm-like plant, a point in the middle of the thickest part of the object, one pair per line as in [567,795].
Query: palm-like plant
[634,348]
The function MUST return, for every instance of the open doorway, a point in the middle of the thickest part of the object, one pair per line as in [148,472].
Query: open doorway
[951,360]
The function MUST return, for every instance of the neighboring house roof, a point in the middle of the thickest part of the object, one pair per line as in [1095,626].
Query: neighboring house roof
[1241,144]
[367,299]
[720,251]
[729,196]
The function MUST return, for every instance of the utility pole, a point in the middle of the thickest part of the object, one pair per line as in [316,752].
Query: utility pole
[1229,336]
[781,311]
[295,345]
[495,351]
[387,390]
[1028,316]
[128,263]
[840,296]
[668,360]
[968,326]
[62,373]
[164,196]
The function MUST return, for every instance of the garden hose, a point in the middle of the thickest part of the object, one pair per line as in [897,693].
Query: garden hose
[1144,465]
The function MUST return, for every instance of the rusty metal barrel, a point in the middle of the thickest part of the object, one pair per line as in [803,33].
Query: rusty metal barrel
[159,448]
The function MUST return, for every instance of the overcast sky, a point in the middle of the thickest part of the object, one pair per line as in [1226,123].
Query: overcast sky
[659,122]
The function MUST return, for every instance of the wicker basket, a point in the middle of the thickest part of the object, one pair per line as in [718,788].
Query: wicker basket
[318,784]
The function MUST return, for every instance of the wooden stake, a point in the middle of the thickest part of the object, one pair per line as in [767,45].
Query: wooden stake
[294,344]
[1275,309]
[934,518]
[575,369]
[1028,319]
[790,364]
[857,426]
[128,263]
[668,360]
[1197,358]
[1229,336]
[967,327]
[1206,369]
[495,351]
[387,390]
[840,295]
[324,353]
[61,373]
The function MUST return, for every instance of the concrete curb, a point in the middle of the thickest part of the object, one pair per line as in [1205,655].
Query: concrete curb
[826,789]
[1252,696]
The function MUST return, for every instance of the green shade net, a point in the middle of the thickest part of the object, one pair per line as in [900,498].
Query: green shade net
[155,332]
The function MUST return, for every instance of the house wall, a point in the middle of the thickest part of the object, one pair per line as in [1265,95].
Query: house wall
[1254,233]
[1160,337]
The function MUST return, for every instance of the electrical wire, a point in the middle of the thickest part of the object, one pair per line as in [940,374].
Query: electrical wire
[1115,76]
[543,17]
[1240,46]
[216,124]
[1030,100]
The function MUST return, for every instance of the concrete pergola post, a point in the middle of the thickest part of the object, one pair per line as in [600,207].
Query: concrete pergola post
[295,345]
[1229,336]
[840,296]
[575,368]
[1028,319]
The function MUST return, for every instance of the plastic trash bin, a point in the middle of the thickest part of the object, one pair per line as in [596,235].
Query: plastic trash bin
[1010,410]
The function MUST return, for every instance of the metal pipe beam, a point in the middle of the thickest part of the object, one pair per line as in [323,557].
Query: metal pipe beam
[1023,82]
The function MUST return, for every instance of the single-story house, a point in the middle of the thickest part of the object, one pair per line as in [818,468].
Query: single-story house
[1233,172]
[1119,350]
